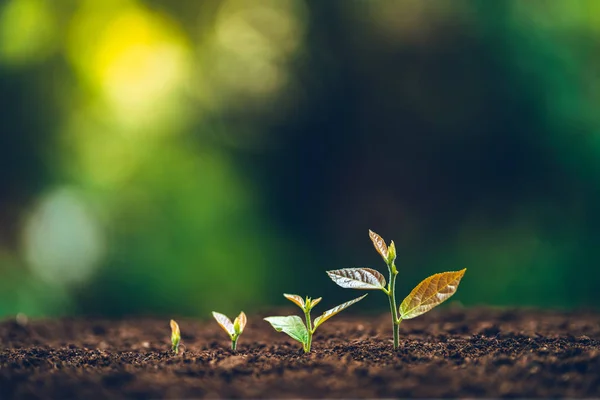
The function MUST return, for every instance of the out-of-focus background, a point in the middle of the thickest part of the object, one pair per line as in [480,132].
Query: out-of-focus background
[175,157]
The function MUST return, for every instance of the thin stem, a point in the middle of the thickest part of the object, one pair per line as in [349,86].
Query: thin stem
[309,330]
[234,340]
[393,308]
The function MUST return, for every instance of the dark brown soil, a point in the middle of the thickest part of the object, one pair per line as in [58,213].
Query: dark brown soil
[446,353]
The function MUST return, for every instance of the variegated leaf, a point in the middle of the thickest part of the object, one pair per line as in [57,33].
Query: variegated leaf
[358,278]
[291,325]
[224,322]
[330,313]
[430,292]
[240,323]
[294,298]
[379,244]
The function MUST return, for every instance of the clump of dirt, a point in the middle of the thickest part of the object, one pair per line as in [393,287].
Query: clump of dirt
[445,353]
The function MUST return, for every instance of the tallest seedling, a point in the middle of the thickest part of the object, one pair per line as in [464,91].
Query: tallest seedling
[431,292]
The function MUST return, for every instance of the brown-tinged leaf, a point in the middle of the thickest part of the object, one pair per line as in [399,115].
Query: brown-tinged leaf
[294,298]
[379,244]
[430,292]
[358,278]
[330,313]
[314,302]
[224,322]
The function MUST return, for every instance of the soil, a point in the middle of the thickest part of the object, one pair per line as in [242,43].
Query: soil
[445,353]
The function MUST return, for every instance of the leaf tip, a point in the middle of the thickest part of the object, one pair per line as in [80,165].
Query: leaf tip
[174,327]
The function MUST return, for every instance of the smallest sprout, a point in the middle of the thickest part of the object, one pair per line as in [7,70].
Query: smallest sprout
[234,329]
[175,337]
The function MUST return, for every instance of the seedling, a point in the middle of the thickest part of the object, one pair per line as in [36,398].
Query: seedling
[293,325]
[175,337]
[426,295]
[234,329]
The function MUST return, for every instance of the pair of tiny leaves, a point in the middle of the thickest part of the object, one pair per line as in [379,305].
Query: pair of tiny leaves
[293,324]
[234,328]
[387,253]
[426,295]
[299,301]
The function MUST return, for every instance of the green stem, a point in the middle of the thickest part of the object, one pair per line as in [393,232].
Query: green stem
[392,297]
[234,340]
[309,330]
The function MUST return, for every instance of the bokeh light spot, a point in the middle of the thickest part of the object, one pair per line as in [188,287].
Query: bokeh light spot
[137,60]
[255,42]
[63,242]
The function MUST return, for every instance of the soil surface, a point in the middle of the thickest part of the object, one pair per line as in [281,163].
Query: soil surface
[445,353]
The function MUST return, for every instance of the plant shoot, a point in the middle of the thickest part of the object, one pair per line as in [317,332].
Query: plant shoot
[426,295]
[234,329]
[296,328]
[175,337]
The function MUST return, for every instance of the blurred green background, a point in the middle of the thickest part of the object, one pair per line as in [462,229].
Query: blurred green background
[175,157]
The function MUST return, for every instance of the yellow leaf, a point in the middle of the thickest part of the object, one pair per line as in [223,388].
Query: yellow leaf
[430,292]
[240,323]
[314,302]
[175,329]
[335,310]
[379,244]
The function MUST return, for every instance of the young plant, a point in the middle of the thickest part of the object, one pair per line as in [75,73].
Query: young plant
[234,329]
[426,295]
[293,325]
[175,337]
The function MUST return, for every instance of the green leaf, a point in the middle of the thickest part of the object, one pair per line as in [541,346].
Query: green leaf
[391,253]
[292,325]
[330,313]
[358,278]
[430,292]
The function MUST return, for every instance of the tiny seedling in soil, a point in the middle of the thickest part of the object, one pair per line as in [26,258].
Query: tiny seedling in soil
[175,337]
[234,329]
[293,325]
[426,295]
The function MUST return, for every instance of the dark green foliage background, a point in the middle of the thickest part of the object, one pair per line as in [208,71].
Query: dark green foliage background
[467,132]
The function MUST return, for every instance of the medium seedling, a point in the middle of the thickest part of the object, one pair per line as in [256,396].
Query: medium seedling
[234,329]
[426,295]
[293,325]
[175,337]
